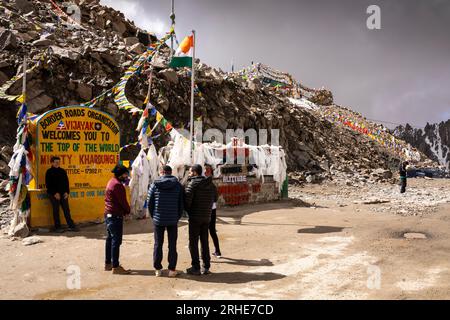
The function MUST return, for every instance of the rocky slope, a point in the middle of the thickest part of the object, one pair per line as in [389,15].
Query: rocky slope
[433,140]
[84,62]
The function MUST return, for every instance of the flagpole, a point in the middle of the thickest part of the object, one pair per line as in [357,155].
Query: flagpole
[24,79]
[149,90]
[14,203]
[172,17]
[191,136]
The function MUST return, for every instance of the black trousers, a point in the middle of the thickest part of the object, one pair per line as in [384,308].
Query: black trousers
[213,231]
[64,203]
[199,230]
[402,185]
[114,230]
[172,235]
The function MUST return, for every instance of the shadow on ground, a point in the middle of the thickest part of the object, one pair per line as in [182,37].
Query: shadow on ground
[243,262]
[98,231]
[143,226]
[235,277]
[321,229]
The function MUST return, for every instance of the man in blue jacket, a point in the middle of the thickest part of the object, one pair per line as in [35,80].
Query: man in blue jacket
[165,204]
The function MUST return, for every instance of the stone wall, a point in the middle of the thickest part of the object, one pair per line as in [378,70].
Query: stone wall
[253,190]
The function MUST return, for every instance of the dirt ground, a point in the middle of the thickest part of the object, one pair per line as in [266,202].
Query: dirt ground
[282,250]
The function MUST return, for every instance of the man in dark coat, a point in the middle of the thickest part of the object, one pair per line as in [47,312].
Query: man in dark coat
[403,174]
[199,196]
[165,204]
[116,208]
[57,183]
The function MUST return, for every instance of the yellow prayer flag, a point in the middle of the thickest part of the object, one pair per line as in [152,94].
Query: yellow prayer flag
[21,98]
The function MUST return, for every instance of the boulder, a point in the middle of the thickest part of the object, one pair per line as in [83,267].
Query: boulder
[170,75]
[119,27]
[4,169]
[110,57]
[137,48]
[221,123]
[39,104]
[84,91]
[382,173]
[24,6]
[311,179]
[28,241]
[163,102]
[129,41]
[20,230]
[143,37]
[42,42]
[70,54]
[8,40]
[322,97]
[99,21]
[3,78]
[6,153]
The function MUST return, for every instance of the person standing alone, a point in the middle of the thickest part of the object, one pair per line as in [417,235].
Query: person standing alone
[403,175]
[57,183]
[212,223]
[199,197]
[165,205]
[116,208]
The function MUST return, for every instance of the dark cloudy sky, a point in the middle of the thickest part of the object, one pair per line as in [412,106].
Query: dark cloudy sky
[399,74]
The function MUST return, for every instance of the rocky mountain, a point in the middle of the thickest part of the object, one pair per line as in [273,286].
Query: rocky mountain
[81,62]
[433,140]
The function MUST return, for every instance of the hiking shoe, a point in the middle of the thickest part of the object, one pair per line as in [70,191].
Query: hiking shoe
[108,267]
[206,271]
[217,255]
[74,229]
[194,272]
[173,273]
[58,230]
[158,273]
[120,270]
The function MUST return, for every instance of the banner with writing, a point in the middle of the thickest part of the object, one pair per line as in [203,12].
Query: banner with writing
[86,140]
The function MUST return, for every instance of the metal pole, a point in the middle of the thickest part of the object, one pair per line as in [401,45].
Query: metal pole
[192,97]
[15,200]
[149,90]
[24,78]
[172,17]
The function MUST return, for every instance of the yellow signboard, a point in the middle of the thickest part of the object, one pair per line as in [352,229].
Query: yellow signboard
[86,140]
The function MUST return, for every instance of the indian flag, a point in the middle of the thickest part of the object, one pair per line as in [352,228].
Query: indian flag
[183,55]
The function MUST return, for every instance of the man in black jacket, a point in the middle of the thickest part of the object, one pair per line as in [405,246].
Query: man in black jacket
[165,204]
[403,175]
[57,183]
[199,196]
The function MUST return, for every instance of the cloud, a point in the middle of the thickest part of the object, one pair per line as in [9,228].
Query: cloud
[142,17]
[397,74]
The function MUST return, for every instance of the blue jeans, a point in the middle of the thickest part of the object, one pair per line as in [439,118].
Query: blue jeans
[172,235]
[114,229]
